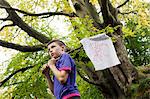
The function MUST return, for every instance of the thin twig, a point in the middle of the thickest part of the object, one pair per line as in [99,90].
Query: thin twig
[75,49]
[41,14]
[9,25]
[123,13]
[87,80]
[123,4]
[17,71]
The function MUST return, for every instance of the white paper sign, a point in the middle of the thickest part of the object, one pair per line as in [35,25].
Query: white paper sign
[101,51]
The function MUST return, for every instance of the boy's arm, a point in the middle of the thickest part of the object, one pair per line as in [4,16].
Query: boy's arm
[45,71]
[60,75]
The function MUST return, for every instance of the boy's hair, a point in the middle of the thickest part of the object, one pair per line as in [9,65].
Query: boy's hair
[60,43]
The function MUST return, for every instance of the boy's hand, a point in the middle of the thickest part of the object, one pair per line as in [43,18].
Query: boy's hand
[52,62]
[45,70]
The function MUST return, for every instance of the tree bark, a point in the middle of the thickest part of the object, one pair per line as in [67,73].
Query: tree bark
[115,81]
[21,48]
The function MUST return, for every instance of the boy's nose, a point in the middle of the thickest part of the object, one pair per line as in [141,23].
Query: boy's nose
[50,51]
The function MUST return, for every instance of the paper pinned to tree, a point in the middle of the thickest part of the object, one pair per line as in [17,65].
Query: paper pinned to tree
[101,51]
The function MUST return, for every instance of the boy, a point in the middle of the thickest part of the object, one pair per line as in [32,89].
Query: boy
[63,67]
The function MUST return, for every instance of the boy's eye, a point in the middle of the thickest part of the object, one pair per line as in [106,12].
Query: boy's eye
[52,46]
[48,50]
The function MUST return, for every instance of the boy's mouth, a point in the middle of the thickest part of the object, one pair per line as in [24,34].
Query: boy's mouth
[52,54]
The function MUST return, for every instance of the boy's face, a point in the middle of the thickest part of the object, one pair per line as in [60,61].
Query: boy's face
[55,50]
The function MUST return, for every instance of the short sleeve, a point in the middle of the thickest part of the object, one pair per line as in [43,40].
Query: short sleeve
[66,63]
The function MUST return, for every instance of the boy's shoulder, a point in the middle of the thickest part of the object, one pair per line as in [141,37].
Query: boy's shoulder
[65,55]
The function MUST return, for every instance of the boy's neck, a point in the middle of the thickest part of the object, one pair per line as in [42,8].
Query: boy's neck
[60,56]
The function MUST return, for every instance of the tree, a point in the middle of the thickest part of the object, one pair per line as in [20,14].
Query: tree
[86,21]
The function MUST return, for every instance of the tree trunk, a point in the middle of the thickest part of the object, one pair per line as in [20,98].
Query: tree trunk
[115,81]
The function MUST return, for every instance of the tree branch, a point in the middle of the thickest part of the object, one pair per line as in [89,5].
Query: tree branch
[108,18]
[123,13]
[41,14]
[5,19]
[7,26]
[17,71]
[123,4]
[87,80]
[75,49]
[20,23]
[20,47]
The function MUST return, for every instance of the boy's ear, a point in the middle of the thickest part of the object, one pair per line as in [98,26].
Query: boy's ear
[63,48]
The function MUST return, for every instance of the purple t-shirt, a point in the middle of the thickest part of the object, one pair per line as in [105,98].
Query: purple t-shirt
[69,89]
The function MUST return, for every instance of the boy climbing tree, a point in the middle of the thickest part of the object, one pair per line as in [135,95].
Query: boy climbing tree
[63,85]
